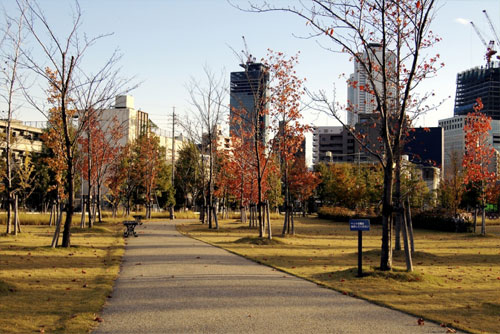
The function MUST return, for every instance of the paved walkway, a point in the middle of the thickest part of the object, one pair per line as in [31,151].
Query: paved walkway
[170,283]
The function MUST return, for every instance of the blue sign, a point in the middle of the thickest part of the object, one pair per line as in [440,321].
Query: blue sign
[359,224]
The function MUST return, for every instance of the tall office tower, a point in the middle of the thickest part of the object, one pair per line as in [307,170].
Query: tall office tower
[361,101]
[248,96]
[483,82]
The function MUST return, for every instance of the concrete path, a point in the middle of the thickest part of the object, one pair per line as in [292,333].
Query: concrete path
[170,283]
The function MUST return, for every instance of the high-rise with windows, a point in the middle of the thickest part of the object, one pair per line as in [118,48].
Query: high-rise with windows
[483,82]
[248,97]
[360,100]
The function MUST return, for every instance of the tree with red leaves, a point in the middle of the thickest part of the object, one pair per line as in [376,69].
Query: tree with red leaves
[302,182]
[386,40]
[286,92]
[100,147]
[149,159]
[478,158]
[241,166]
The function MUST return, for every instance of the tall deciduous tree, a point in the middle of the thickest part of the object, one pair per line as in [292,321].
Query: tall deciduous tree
[479,153]
[62,67]
[148,161]
[286,92]
[386,38]
[252,157]
[208,102]
[302,182]
[12,85]
[188,174]
[115,180]
[451,189]
[100,147]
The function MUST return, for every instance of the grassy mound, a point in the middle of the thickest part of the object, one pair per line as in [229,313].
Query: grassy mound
[5,288]
[258,241]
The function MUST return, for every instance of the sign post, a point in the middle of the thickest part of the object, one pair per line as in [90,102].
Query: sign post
[360,225]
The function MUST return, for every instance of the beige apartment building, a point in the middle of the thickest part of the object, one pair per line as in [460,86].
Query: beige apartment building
[25,138]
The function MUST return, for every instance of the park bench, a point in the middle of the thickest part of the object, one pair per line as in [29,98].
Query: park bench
[131,225]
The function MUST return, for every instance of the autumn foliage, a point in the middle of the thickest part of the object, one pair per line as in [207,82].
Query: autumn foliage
[479,153]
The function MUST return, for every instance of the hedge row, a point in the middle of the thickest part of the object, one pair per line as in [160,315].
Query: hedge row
[441,221]
[341,214]
[431,220]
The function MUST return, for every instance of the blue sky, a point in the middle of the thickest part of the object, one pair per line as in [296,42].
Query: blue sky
[166,42]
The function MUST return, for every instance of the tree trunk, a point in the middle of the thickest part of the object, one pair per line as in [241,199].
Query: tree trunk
[52,207]
[252,215]
[286,222]
[404,223]
[268,218]
[202,214]
[483,219]
[409,223]
[99,211]
[66,242]
[250,218]
[82,221]
[90,210]
[16,215]
[209,215]
[397,231]
[243,214]
[386,248]
[55,239]
[216,219]
[475,219]
[9,213]
[292,221]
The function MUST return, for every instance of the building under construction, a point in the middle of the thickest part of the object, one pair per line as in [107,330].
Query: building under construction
[483,82]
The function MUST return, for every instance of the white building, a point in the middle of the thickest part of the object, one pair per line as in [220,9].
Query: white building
[131,122]
[359,100]
[454,139]
[134,122]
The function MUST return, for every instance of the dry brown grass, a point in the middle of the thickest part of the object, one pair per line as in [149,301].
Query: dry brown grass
[456,279]
[57,290]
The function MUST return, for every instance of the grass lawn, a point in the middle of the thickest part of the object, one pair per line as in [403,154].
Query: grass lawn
[57,290]
[456,279]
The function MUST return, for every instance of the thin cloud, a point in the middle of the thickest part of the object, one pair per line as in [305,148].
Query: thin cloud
[462,21]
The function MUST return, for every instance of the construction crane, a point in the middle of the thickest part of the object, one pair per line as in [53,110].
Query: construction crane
[246,53]
[490,47]
[492,27]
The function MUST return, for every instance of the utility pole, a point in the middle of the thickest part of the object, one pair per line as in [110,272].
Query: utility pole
[172,214]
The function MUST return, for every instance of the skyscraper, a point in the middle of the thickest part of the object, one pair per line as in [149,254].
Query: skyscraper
[248,97]
[360,100]
[483,82]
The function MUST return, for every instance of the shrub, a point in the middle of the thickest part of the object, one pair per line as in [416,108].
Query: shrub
[441,220]
[336,213]
[341,214]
